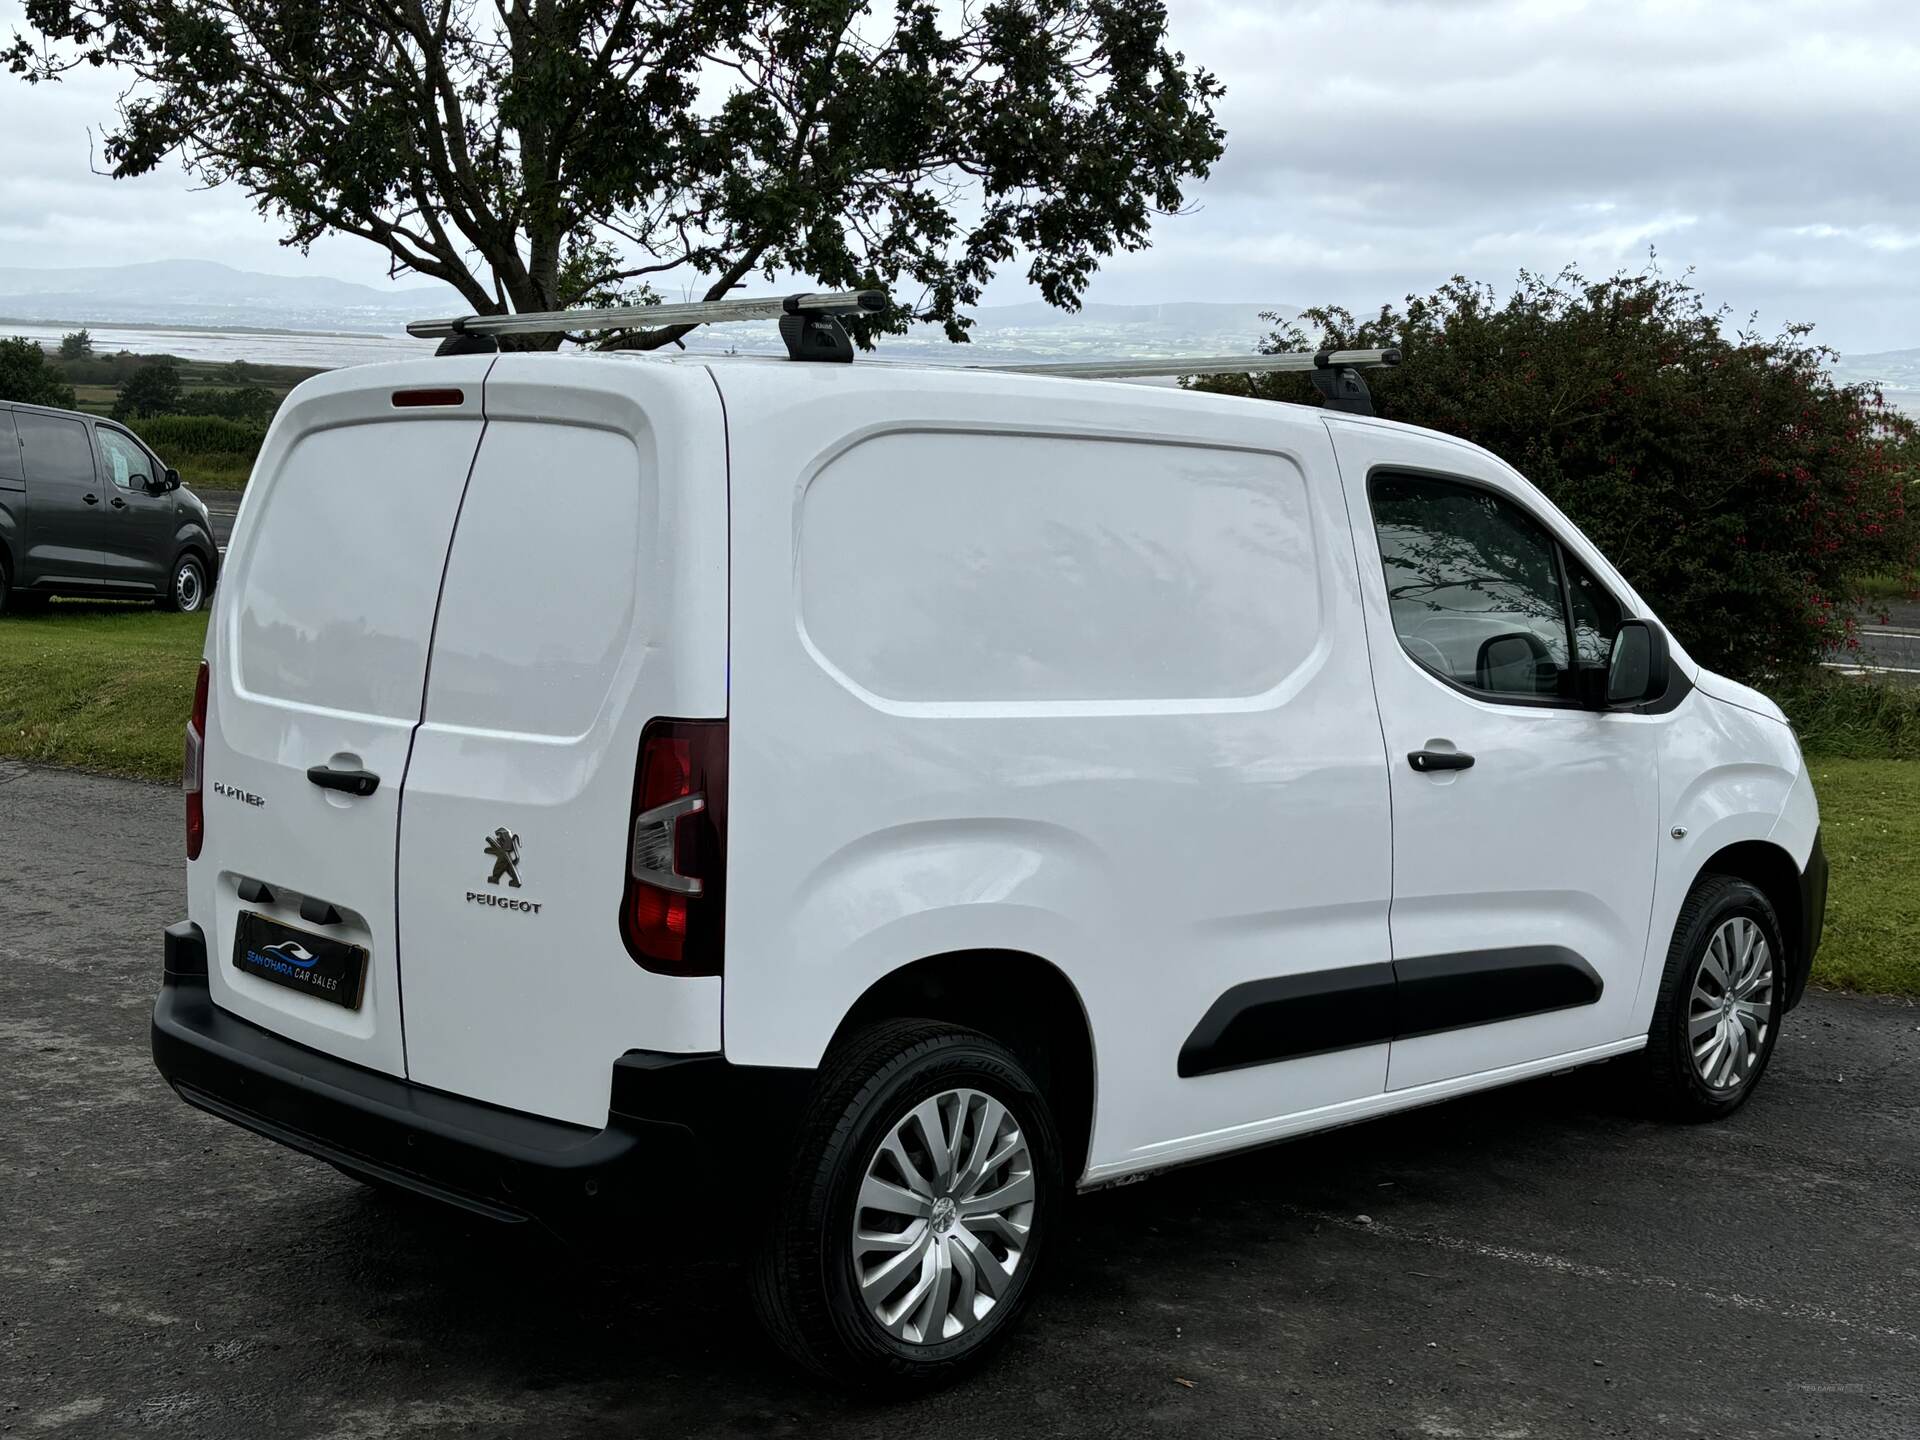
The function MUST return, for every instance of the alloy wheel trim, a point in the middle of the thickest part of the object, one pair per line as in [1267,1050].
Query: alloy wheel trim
[1730,1006]
[943,1219]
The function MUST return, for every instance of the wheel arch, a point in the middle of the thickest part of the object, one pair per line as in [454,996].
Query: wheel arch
[1048,1028]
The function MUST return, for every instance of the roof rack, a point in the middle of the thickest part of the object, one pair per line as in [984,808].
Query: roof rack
[809,324]
[1334,373]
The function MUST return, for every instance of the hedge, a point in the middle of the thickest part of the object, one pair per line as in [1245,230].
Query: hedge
[200,435]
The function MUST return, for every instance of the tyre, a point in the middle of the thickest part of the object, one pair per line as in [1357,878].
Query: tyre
[1720,1003]
[925,1185]
[6,586]
[187,592]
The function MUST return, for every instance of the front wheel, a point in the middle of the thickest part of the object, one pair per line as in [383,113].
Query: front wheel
[187,592]
[926,1184]
[1721,1000]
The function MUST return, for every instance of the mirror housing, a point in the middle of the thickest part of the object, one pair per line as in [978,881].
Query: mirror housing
[171,480]
[1640,667]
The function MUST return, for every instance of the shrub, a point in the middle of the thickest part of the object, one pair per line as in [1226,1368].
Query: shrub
[153,389]
[202,435]
[1851,718]
[28,377]
[1733,483]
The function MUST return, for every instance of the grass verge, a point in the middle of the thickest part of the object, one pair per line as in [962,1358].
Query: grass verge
[1870,826]
[100,686]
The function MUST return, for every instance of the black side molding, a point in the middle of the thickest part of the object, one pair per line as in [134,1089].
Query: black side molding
[1289,1017]
[1813,921]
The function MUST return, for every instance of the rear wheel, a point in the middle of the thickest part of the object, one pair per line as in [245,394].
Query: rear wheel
[1720,1004]
[6,587]
[187,592]
[925,1187]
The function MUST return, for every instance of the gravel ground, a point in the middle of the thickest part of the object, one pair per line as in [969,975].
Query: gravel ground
[1537,1262]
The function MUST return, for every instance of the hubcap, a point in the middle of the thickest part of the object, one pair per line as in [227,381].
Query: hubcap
[186,587]
[941,1224]
[1731,1005]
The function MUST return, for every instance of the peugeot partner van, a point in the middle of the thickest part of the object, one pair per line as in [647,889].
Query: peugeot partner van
[893,799]
[87,509]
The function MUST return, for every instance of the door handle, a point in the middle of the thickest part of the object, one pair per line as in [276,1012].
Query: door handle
[90,499]
[1429,760]
[117,503]
[353,782]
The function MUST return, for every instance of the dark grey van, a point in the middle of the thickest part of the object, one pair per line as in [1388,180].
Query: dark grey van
[87,509]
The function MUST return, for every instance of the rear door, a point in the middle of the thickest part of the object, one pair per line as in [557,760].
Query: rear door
[318,654]
[585,593]
[64,504]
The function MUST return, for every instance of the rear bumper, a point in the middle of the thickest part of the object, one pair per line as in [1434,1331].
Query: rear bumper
[668,1116]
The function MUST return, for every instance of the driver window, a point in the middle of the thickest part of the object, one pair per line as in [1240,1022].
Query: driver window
[127,464]
[1596,616]
[1474,586]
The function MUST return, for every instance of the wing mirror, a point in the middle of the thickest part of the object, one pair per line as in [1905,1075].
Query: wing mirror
[1640,666]
[171,481]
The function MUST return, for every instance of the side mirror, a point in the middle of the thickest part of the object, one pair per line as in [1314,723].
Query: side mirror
[1639,669]
[1514,664]
[172,479]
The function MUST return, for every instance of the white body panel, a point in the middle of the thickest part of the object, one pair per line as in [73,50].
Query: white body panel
[1100,674]
[1160,823]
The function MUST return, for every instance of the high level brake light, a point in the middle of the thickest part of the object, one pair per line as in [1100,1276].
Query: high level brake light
[193,770]
[673,915]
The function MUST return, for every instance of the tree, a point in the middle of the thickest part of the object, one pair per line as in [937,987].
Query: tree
[76,346]
[153,389]
[549,153]
[1727,477]
[29,377]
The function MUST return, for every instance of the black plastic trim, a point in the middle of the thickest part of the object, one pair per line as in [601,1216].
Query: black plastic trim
[667,1113]
[1813,921]
[1289,1017]
[1436,993]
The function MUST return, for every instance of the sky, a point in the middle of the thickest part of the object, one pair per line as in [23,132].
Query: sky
[1374,148]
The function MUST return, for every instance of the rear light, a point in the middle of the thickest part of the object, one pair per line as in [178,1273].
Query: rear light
[673,915]
[193,770]
[405,398]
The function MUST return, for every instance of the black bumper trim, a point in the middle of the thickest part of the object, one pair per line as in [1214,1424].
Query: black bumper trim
[668,1114]
[1813,920]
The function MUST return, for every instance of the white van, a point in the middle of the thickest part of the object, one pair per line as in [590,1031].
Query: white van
[891,799]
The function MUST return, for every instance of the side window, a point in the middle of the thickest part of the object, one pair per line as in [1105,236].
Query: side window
[56,451]
[1474,586]
[1596,615]
[127,463]
[9,449]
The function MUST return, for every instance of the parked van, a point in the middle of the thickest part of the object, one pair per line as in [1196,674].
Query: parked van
[892,799]
[87,509]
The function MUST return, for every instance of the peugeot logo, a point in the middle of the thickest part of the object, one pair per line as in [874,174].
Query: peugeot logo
[504,848]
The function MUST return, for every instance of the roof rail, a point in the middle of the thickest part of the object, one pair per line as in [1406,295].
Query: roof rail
[809,324]
[1334,373]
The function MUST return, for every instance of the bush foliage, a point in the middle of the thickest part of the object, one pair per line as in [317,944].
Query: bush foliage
[28,377]
[202,435]
[1728,478]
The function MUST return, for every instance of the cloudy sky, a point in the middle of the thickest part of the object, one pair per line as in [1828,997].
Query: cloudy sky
[1374,147]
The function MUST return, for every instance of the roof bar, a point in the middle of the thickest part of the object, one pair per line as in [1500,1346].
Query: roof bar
[620,317]
[1202,365]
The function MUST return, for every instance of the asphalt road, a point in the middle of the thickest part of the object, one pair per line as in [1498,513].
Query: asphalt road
[1537,1262]
[1889,649]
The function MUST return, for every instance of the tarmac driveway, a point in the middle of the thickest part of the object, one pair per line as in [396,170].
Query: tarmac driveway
[1538,1262]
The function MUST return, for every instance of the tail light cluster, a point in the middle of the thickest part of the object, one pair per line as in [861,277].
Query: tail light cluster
[193,770]
[673,915]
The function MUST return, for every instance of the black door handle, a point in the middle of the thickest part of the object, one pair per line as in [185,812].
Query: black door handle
[90,499]
[1427,760]
[354,782]
[117,503]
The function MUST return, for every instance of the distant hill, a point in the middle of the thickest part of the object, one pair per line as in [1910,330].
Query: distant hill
[204,292]
[1896,372]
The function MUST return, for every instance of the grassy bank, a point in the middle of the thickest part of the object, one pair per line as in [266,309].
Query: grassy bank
[99,686]
[1870,825]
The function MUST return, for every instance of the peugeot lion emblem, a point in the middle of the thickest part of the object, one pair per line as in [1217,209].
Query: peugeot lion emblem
[504,846]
